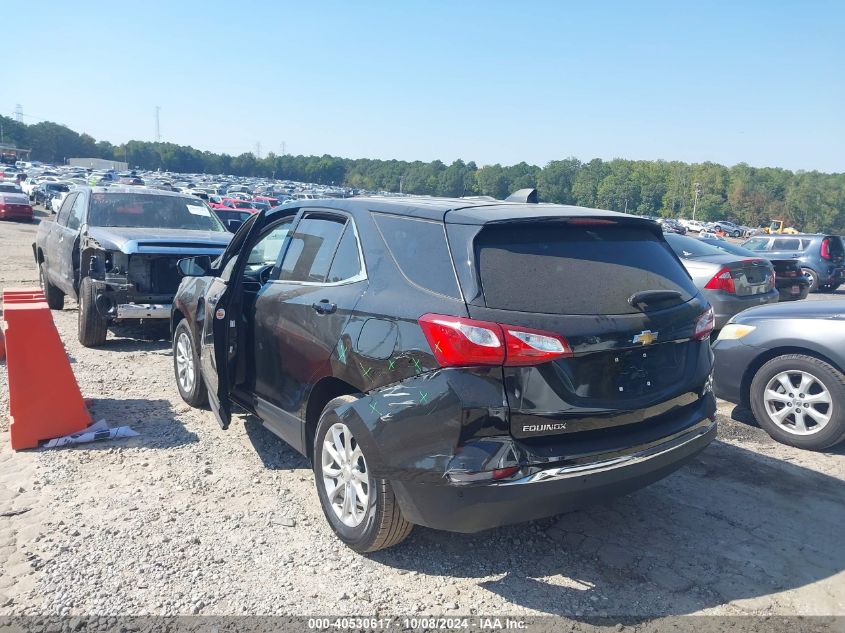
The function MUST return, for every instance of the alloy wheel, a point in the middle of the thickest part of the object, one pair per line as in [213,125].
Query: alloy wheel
[185,371]
[798,402]
[345,475]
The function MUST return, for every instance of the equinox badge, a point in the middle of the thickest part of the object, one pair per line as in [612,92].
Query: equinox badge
[646,337]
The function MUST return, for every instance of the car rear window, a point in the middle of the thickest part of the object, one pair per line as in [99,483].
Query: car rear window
[555,269]
[420,250]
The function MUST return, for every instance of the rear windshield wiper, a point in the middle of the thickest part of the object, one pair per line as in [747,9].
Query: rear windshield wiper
[647,297]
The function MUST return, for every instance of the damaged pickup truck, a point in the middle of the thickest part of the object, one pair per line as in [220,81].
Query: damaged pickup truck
[115,250]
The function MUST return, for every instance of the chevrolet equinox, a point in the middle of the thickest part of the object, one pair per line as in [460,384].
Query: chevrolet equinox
[458,364]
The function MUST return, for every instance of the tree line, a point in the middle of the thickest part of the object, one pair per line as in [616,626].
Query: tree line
[811,201]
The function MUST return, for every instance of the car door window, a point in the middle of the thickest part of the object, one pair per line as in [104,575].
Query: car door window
[786,244]
[347,260]
[312,249]
[266,250]
[77,213]
[64,211]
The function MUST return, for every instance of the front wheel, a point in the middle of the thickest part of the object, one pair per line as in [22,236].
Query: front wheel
[93,326]
[361,509]
[186,365]
[800,400]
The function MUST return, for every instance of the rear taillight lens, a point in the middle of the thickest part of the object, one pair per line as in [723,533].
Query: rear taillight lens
[722,280]
[704,325]
[826,249]
[532,347]
[462,342]
[456,341]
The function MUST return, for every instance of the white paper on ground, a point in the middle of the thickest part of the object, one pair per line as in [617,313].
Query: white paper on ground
[97,431]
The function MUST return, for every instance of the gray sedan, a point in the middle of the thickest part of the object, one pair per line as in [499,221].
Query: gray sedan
[731,283]
[786,361]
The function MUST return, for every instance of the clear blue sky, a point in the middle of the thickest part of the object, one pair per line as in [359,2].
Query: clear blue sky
[757,82]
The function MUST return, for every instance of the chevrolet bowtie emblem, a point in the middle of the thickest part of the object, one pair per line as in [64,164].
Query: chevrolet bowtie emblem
[646,337]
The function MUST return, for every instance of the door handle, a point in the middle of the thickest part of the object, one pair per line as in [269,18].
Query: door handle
[324,307]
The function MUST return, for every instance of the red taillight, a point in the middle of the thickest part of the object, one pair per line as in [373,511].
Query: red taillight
[461,342]
[704,325]
[722,280]
[456,341]
[532,347]
[826,248]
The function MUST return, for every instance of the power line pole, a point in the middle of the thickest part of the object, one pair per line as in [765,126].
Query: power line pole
[284,148]
[19,113]
[695,200]
[258,149]
[158,128]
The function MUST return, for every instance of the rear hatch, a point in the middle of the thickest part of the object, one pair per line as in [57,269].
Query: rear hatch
[576,278]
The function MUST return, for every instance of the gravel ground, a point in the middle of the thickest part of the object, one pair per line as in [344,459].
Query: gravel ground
[187,518]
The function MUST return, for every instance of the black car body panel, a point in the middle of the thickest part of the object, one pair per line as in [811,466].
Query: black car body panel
[290,346]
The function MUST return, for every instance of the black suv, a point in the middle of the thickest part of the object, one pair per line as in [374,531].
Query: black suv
[459,364]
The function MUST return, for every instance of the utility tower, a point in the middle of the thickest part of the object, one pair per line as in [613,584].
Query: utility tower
[258,149]
[19,113]
[158,128]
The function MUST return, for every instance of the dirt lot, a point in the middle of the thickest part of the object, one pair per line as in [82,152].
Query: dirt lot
[187,518]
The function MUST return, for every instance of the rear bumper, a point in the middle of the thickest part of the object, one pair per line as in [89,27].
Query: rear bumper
[143,311]
[552,490]
[727,306]
[831,275]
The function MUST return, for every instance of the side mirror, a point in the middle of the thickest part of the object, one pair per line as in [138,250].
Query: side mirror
[194,266]
[234,225]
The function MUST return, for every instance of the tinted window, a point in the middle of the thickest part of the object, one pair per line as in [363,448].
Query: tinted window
[557,269]
[152,211]
[77,213]
[690,248]
[786,244]
[311,249]
[346,263]
[420,250]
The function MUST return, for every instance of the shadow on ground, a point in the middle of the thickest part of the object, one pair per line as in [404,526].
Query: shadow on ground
[154,420]
[274,453]
[732,525]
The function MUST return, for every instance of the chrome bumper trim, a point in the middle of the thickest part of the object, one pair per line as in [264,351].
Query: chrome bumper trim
[579,470]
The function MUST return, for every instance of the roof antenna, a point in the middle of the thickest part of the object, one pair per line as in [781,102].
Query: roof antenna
[528,195]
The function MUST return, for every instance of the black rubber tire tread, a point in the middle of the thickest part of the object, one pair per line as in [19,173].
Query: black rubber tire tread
[55,297]
[834,380]
[389,527]
[93,327]
[814,281]
[198,397]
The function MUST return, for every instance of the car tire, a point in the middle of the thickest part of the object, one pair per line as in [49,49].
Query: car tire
[825,381]
[812,277]
[186,367]
[93,326]
[55,297]
[736,234]
[380,524]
